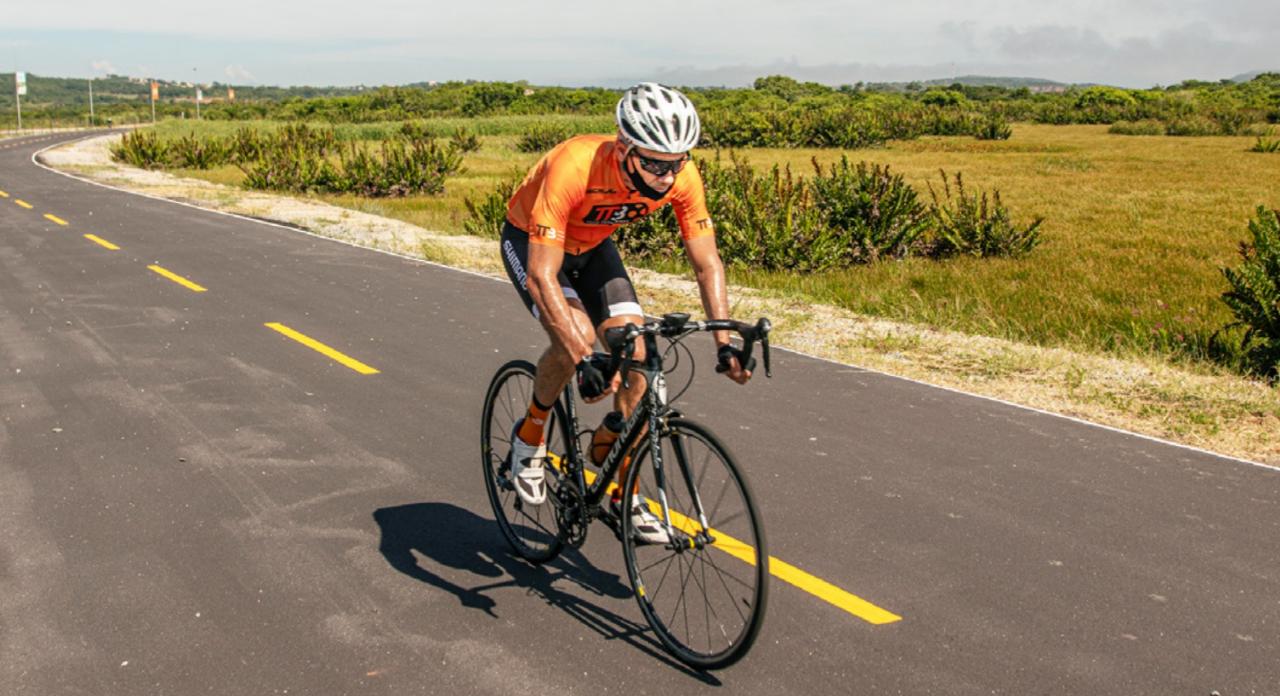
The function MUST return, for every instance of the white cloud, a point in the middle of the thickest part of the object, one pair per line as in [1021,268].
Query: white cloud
[105,66]
[238,73]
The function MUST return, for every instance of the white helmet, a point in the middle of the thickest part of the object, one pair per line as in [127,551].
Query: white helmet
[658,118]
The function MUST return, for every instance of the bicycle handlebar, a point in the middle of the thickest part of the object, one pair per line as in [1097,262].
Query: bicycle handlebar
[621,340]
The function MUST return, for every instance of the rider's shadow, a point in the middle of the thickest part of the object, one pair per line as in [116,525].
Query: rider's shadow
[458,538]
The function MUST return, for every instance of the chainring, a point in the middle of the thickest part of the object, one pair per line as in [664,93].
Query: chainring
[571,515]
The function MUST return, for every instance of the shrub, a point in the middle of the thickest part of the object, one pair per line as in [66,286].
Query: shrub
[1143,127]
[1266,145]
[977,225]
[191,152]
[141,148]
[246,145]
[767,221]
[1230,121]
[1193,126]
[403,168]
[994,128]
[875,213]
[465,140]
[541,137]
[1254,297]
[486,215]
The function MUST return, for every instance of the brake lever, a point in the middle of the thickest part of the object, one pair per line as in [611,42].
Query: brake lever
[763,327]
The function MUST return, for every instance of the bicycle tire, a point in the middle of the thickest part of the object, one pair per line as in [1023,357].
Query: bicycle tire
[531,530]
[739,535]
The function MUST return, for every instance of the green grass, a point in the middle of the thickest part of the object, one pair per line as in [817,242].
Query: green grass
[1136,230]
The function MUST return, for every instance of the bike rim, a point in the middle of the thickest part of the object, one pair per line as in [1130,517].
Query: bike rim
[705,604]
[530,529]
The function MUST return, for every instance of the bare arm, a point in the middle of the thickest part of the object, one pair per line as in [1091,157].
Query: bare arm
[708,269]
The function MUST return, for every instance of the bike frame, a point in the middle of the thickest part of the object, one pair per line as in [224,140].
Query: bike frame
[652,411]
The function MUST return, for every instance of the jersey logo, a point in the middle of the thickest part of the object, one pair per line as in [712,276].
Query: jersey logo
[617,214]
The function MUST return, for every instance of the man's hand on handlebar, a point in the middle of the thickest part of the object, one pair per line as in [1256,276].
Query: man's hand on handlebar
[593,384]
[729,361]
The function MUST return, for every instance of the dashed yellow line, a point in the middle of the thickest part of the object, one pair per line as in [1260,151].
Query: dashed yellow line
[3,194]
[321,348]
[23,203]
[101,242]
[780,569]
[194,287]
[55,219]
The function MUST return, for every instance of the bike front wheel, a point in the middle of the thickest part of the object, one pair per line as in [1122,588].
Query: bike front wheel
[704,593]
[530,529]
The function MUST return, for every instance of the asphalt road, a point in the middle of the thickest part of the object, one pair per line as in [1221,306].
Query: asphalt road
[192,502]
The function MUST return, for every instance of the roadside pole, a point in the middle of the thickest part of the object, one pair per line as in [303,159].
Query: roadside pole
[91,102]
[155,92]
[19,89]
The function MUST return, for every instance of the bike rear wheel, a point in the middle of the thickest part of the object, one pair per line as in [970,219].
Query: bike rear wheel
[530,529]
[705,601]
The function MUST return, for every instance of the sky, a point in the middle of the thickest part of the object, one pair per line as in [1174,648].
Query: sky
[1130,43]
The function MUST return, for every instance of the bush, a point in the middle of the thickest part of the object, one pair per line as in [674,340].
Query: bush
[976,225]
[486,216]
[1193,126]
[1266,145]
[767,221]
[1143,127]
[994,129]
[1254,297]
[191,152]
[246,145]
[141,148]
[403,168]
[465,140]
[542,137]
[875,213]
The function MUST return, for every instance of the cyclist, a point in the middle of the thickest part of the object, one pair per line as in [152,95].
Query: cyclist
[558,253]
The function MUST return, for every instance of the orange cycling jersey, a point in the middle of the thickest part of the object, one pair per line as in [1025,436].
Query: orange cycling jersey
[575,197]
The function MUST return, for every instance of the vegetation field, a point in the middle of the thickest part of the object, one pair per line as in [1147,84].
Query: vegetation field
[1136,228]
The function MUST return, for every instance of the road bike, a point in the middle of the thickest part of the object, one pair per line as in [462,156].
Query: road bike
[703,593]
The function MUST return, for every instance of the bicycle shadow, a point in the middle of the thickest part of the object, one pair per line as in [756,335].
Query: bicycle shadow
[457,538]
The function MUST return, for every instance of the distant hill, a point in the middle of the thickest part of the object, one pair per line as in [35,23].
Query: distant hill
[1245,77]
[989,81]
[72,91]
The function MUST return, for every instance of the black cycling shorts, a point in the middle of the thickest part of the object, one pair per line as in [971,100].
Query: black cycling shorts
[596,278]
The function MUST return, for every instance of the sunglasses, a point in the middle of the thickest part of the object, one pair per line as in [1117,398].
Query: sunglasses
[660,167]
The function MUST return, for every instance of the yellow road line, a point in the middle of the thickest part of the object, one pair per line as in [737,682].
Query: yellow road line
[3,194]
[54,218]
[23,203]
[101,242]
[322,349]
[780,569]
[178,279]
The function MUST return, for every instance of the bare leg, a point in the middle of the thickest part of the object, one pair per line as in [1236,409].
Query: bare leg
[556,366]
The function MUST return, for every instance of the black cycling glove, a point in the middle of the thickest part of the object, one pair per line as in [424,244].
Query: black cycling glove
[591,380]
[725,352]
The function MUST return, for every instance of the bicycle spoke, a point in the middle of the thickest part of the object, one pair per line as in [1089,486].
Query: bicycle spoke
[728,592]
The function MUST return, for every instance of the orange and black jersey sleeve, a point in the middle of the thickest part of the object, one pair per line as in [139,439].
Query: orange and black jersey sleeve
[575,197]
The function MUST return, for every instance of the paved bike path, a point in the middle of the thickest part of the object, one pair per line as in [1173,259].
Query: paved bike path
[193,501]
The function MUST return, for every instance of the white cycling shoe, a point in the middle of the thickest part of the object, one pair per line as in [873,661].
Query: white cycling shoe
[528,470]
[645,526]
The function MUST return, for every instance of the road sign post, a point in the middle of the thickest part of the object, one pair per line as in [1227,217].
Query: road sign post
[155,94]
[19,91]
